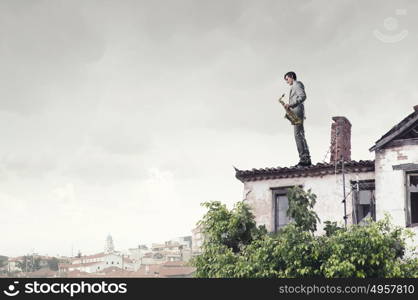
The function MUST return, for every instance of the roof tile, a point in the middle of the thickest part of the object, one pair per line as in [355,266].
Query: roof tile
[318,169]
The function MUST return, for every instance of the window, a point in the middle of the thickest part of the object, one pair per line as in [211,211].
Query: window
[280,206]
[364,204]
[412,199]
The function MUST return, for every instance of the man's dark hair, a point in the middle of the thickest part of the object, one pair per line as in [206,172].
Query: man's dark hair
[291,75]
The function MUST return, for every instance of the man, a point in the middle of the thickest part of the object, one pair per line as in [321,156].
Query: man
[296,98]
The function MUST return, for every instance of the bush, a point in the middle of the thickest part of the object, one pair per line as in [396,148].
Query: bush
[235,247]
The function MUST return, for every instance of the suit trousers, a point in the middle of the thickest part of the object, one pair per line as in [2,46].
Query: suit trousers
[301,144]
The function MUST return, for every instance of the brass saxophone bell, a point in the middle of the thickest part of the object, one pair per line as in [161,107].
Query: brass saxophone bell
[290,115]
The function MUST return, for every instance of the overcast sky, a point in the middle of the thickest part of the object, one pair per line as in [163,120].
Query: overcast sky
[121,117]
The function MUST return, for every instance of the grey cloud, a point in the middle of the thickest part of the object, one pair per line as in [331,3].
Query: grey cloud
[44,47]
[92,166]
[26,166]
[120,133]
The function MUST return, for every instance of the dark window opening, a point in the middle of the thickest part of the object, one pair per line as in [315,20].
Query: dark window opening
[414,208]
[364,205]
[280,207]
[412,217]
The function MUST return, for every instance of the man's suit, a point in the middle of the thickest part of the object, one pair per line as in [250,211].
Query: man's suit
[296,98]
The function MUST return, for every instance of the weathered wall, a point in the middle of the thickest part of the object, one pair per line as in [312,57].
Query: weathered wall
[328,188]
[390,184]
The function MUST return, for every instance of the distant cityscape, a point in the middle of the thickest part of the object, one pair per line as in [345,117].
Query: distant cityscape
[167,259]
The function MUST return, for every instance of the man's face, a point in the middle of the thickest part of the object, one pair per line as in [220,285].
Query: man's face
[289,80]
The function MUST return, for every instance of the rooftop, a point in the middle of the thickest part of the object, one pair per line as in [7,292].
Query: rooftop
[319,169]
[398,130]
[79,265]
[98,255]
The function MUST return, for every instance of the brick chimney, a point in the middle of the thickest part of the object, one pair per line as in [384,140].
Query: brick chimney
[340,139]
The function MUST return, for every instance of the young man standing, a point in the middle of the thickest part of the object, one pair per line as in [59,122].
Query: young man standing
[296,98]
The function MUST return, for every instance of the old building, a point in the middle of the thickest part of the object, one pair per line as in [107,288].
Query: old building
[170,269]
[197,240]
[396,175]
[109,247]
[14,264]
[100,261]
[388,184]
[138,253]
[171,251]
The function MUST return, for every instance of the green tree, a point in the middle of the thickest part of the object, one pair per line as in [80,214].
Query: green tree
[53,263]
[3,260]
[235,247]
[3,264]
[29,263]
[226,233]
[373,250]
[301,205]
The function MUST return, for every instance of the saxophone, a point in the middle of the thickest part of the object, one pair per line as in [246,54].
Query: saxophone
[290,115]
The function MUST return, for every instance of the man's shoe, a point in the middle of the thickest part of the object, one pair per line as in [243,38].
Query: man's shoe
[303,164]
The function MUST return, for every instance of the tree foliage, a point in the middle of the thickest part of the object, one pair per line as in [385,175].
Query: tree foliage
[29,263]
[235,247]
[53,263]
[3,260]
[227,233]
[301,205]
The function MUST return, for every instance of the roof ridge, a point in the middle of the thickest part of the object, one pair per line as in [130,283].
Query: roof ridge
[396,130]
[319,169]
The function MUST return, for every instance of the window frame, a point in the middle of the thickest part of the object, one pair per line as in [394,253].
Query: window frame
[279,191]
[368,185]
[408,207]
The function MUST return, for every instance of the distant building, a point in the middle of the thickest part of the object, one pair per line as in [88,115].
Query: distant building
[163,270]
[177,249]
[97,263]
[138,253]
[197,240]
[185,241]
[171,251]
[41,273]
[109,247]
[100,261]
[13,264]
[173,269]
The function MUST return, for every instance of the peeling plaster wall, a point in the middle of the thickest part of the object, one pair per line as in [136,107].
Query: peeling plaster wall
[328,188]
[390,184]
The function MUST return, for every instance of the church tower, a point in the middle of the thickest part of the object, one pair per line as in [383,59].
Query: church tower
[109,248]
